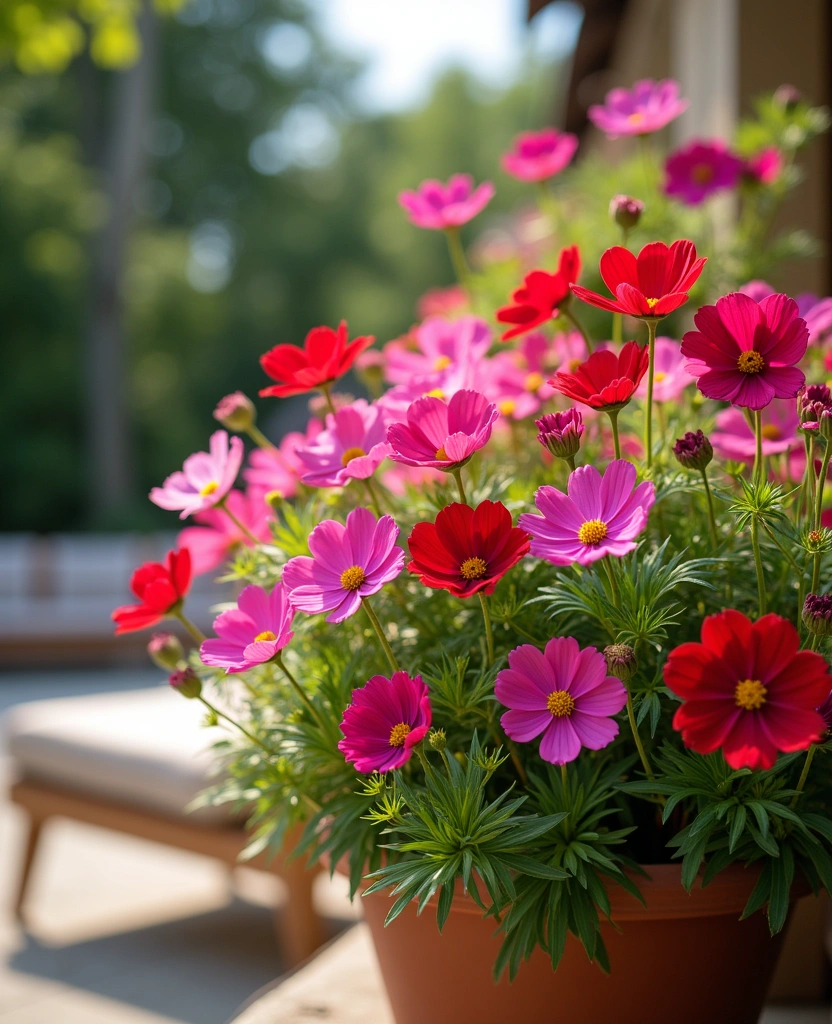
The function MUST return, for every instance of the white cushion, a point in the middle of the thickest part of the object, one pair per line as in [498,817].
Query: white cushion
[144,748]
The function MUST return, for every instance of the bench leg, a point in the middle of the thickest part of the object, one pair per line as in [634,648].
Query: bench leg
[28,863]
[299,927]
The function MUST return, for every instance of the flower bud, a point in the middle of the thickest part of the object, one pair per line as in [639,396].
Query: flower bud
[186,682]
[626,211]
[621,661]
[787,97]
[165,650]
[817,614]
[825,425]
[236,412]
[693,451]
[561,432]
[437,739]
[812,401]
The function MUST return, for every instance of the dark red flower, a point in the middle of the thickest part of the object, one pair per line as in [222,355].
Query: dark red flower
[605,380]
[159,588]
[467,549]
[748,689]
[540,295]
[650,285]
[325,356]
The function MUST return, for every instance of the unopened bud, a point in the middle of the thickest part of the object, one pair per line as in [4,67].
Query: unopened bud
[437,739]
[825,424]
[693,451]
[236,412]
[787,97]
[561,432]
[621,661]
[626,211]
[165,650]
[817,614]
[186,682]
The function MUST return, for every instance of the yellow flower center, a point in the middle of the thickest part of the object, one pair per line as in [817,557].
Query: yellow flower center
[574,364]
[434,393]
[352,578]
[210,488]
[772,433]
[750,362]
[750,694]
[398,734]
[441,455]
[507,406]
[660,376]
[560,704]
[265,635]
[534,381]
[350,454]
[652,303]
[473,568]
[442,363]
[635,117]
[702,174]
[593,531]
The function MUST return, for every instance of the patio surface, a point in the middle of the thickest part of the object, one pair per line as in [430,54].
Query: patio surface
[123,931]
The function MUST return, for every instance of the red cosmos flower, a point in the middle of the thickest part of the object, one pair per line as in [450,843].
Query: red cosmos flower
[748,689]
[605,380]
[652,285]
[467,550]
[159,588]
[325,356]
[541,295]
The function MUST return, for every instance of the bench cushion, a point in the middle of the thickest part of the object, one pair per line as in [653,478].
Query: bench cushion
[143,748]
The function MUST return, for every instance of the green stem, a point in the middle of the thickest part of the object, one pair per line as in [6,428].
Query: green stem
[457,252]
[617,328]
[299,690]
[221,714]
[240,526]
[824,469]
[564,778]
[758,447]
[457,475]
[489,631]
[613,415]
[373,499]
[388,650]
[648,412]
[570,461]
[758,563]
[195,631]
[616,593]
[260,439]
[637,737]
[566,310]
[801,782]
[326,391]
[711,513]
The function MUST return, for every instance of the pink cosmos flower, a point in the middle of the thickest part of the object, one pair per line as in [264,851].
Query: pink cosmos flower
[815,311]
[597,517]
[279,469]
[564,693]
[764,167]
[204,480]
[385,721]
[734,439]
[757,289]
[645,108]
[348,563]
[671,375]
[700,169]
[536,156]
[214,540]
[352,447]
[443,436]
[515,381]
[745,352]
[439,207]
[253,632]
[436,347]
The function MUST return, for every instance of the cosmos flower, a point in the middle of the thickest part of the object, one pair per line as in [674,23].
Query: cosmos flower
[204,480]
[606,380]
[536,156]
[352,447]
[540,296]
[440,435]
[438,207]
[385,721]
[699,169]
[253,632]
[326,355]
[160,589]
[645,108]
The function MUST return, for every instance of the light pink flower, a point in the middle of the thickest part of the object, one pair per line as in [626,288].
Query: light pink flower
[448,302]
[537,156]
[348,563]
[435,349]
[204,480]
[443,436]
[764,167]
[564,693]
[253,632]
[214,540]
[671,376]
[645,108]
[352,447]
[279,469]
[734,439]
[439,207]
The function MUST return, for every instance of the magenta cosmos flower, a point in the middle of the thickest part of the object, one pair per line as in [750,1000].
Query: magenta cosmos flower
[597,516]
[348,563]
[352,447]
[435,348]
[700,169]
[536,156]
[204,480]
[439,207]
[564,693]
[384,722]
[734,439]
[645,108]
[443,436]
[253,632]
[744,352]
[279,469]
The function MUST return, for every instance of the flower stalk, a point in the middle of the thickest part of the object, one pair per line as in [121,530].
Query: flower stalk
[648,409]
[388,650]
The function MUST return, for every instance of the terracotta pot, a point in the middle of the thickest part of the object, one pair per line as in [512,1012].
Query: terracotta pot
[682,959]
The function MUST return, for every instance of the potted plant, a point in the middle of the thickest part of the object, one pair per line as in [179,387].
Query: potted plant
[566,700]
